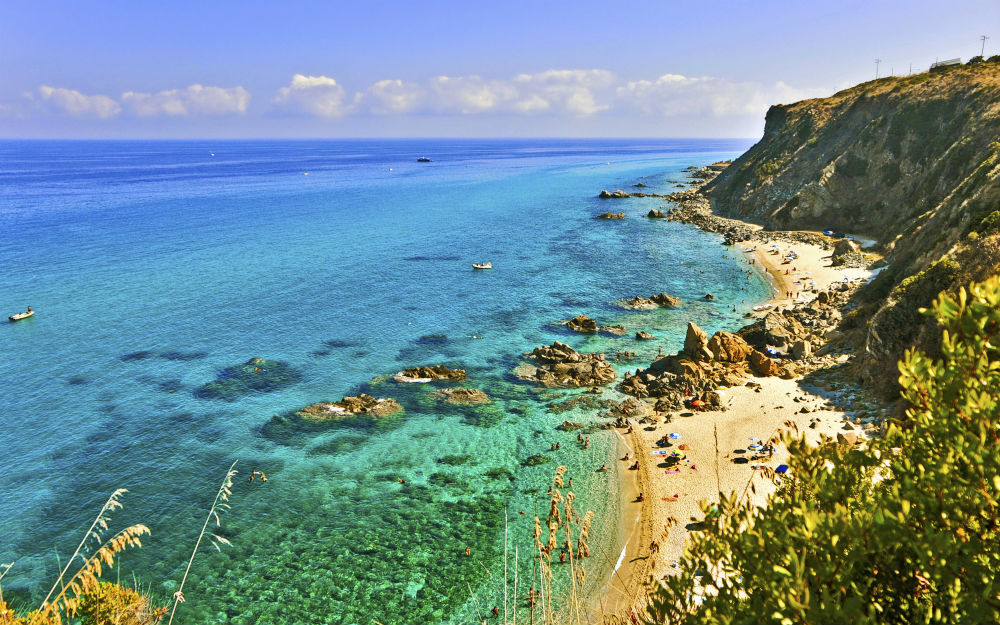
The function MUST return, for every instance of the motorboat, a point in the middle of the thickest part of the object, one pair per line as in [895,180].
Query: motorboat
[482,265]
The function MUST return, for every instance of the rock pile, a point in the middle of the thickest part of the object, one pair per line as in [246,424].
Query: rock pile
[582,323]
[429,374]
[649,303]
[560,366]
[351,406]
[610,215]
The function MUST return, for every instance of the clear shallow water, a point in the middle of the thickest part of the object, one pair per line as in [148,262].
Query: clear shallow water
[153,266]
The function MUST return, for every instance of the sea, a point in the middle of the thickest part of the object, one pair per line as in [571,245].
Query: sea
[157,269]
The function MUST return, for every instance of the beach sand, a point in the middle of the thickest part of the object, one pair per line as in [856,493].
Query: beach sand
[712,438]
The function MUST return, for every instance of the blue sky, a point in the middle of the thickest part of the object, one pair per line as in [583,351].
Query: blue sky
[440,68]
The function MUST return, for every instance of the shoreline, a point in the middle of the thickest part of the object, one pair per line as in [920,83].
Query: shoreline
[658,528]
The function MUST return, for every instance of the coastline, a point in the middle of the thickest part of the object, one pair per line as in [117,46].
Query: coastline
[657,528]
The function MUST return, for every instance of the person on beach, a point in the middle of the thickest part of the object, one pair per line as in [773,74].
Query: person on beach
[604,467]
[571,482]
[553,446]
[639,498]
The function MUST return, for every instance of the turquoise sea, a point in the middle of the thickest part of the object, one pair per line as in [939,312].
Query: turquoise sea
[154,266]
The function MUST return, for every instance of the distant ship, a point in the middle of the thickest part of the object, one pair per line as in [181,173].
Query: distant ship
[423,159]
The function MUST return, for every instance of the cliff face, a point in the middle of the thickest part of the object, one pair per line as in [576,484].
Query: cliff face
[912,162]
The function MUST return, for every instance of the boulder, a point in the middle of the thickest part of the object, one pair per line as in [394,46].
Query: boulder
[801,350]
[728,347]
[429,374]
[667,301]
[462,396]
[709,297]
[762,366]
[569,426]
[616,330]
[640,185]
[582,323]
[350,406]
[696,343]
[617,194]
[644,336]
[656,213]
[610,215]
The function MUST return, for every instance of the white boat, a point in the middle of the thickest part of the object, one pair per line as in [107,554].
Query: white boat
[20,316]
[482,265]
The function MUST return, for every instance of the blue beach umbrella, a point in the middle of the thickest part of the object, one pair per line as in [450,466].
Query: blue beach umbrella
[782,468]
[675,435]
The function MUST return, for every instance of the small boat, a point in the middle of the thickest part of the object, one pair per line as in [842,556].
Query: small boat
[20,316]
[482,265]
[423,159]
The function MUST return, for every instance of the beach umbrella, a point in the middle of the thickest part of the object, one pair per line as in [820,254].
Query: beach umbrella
[782,468]
[698,403]
[753,439]
[674,435]
[755,447]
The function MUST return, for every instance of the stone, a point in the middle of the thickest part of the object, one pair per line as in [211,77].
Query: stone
[709,297]
[582,323]
[462,396]
[429,374]
[350,406]
[569,426]
[801,350]
[656,213]
[615,330]
[644,336]
[850,438]
[560,366]
[667,301]
[617,194]
[610,215]
[595,390]
[762,366]
[728,347]
[696,343]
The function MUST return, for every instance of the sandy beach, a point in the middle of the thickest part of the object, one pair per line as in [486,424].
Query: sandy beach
[712,440]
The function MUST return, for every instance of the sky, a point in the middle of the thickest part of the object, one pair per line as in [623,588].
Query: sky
[545,68]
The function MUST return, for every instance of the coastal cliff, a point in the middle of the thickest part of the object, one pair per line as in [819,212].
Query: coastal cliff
[910,162]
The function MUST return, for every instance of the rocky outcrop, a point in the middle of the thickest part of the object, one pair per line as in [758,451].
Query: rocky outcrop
[582,323]
[644,336]
[352,406]
[656,213]
[762,366]
[560,366]
[610,215]
[429,374]
[617,194]
[696,343]
[727,347]
[462,396]
[650,303]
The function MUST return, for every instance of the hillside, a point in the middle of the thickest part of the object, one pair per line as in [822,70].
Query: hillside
[910,162]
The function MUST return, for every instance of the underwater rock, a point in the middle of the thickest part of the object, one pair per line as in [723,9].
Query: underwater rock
[650,303]
[429,374]
[350,406]
[537,459]
[256,375]
[610,215]
[615,330]
[462,396]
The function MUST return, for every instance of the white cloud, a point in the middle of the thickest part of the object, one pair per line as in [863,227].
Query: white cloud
[313,95]
[387,97]
[194,100]
[673,94]
[72,102]
[470,94]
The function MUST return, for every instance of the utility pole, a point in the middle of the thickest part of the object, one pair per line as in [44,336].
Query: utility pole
[982,49]
[910,71]
[877,61]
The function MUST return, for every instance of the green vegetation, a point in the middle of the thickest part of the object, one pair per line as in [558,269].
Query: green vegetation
[891,174]
[903,530]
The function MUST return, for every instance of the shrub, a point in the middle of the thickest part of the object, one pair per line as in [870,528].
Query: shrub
[891,174]
[906,530]
[853,166]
